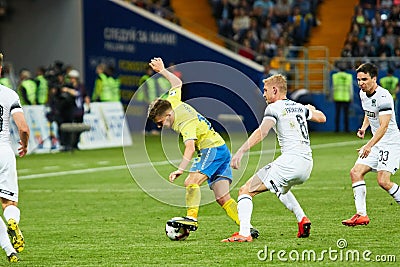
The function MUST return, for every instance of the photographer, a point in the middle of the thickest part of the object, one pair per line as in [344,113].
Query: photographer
[61,104]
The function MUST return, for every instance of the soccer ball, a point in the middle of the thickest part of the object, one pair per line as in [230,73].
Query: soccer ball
[175,231]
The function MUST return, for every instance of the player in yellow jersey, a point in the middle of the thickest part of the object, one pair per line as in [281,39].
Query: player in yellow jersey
[212,163]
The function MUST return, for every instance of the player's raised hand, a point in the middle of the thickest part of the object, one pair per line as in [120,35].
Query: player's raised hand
[157,64]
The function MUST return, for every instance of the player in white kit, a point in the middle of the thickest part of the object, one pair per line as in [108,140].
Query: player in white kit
[10,106]
[292,167]
[381,153]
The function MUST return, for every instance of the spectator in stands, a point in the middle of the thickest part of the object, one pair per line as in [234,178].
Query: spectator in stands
[280,63]
[223,13]
[346,62]
[394,17]
[390,36]
[246,51]
[26,88]
[362,49]
[383,63]
[282,11]
[297,27]
[240,24]
[383,48]
[42,86]
[377,25]
[369,37]
[265,7]
[369,7]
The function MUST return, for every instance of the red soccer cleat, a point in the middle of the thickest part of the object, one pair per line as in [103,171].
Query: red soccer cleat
[304,228]
[238,238]
[357,219]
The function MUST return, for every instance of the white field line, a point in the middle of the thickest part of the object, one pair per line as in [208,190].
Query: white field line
[159,163]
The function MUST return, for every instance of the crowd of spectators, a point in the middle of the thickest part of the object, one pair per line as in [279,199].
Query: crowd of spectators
[265,28]
[374,33]
[256,29]
[161,8]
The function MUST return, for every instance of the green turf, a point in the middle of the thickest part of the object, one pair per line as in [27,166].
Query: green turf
[101,217]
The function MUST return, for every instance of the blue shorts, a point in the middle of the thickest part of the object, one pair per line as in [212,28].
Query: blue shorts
[215,163]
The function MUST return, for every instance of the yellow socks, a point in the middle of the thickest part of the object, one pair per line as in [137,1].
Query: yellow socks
[193,196]
[231,209]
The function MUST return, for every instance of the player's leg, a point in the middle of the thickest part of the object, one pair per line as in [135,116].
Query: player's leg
[193,198]
[357,174]
[392,188]
[9,197]
[224,199]
[11,214]
[291,203]
[6,244]
[252,187]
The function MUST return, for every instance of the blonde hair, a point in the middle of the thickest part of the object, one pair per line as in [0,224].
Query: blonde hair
[279,81]
[1,59]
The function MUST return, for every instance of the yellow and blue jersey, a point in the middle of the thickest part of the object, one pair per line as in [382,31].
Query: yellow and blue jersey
[191,124]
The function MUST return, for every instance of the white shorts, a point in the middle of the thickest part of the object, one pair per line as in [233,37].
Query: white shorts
[285,172]
[8,174]
[382,158]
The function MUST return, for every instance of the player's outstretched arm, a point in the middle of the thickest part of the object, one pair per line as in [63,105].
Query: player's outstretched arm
[257,136]
[317,115]
[157,65]
[24,132]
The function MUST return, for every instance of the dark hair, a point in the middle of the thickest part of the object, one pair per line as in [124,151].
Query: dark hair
[368,68]
[158,108]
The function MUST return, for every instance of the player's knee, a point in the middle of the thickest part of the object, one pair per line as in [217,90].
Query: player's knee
[355,175]
[244,189]
[384,183]
[6,203]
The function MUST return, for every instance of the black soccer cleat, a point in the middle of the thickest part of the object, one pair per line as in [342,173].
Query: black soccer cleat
[254,233]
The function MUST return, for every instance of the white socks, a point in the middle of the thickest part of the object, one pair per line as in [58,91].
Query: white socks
[4,239]
[291,204]
[395,192]
[360,193]
[245,209]
[12,212]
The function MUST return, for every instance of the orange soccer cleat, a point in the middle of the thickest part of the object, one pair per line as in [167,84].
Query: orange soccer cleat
[357,219]
[238,238]
[304,228]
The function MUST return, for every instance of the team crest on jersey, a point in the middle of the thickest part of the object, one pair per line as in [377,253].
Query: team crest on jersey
[373,102]
[172,93]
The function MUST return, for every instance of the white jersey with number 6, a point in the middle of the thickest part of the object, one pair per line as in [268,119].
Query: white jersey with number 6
[291,126]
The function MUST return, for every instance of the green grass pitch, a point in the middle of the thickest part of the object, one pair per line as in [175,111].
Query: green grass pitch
[84,209]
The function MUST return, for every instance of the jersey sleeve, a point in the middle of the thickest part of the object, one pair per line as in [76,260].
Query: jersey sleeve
[308,113]
[385,105]
[270,113]
[15,104]
[174,94]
